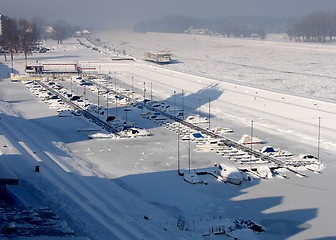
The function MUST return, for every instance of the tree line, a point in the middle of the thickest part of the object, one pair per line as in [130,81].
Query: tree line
[22,36]
[315,27]
[238,27]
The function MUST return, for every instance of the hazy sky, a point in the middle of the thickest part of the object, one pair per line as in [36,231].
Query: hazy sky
[124,13]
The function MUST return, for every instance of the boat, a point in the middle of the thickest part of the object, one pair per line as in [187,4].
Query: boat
[213,145]
[230,173]
[196,119]
[221,130]
[101,136]
[277,153]
[246,139]
[132,132]
[264,171]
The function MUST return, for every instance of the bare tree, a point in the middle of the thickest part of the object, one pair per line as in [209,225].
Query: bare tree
[61,31]
[316,27]
[9,40]
[28,36]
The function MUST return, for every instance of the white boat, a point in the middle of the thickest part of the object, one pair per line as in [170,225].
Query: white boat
[246,139]
[213,145]
[230,173]
[196,119]
[221,130]
[264,171]
[101,136]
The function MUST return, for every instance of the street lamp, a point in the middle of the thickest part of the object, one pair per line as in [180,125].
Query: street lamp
[107,100]
[174,105]
[115,82]
[182,104]
[144,93]
[251,142]
[132,88]
[209,114]
[98,105]
[151,92]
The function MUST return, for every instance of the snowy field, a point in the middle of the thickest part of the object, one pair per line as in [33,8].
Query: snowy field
[130,189]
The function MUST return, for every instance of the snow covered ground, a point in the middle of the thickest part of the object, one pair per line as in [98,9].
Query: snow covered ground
[130,189]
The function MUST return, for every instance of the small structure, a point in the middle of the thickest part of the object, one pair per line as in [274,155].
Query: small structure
[53,68]
[82,33]
[198,31]
[34,68]
[159,57]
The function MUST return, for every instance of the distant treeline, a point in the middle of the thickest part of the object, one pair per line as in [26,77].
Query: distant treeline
[22,36]
[226,26]
[316,27]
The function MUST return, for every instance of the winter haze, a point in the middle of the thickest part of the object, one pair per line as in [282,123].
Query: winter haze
[124,14]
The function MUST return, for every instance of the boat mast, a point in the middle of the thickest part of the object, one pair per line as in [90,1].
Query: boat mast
[319,138]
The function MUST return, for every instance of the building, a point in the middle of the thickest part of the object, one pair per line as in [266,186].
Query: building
[198,31]
[82,33]
[53,68]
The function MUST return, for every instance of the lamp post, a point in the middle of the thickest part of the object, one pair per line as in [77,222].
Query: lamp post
[12,62]
[199,112]
[107,101]
[209,114]
[151,92]
[116,108]
[174,105]
[178,149]
[132,88]
[98,105]
[251,141]
[85,95]
[115,82]
[144,93]
[182,104]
